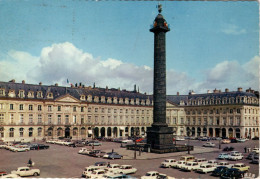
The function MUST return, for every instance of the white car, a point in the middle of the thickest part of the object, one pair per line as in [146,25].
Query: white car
[226,164]
[168,163]
[235,156]
[5,175]
[206,168]
[151,175]
[126,169]
[26,171]
[179,164]
[213,162]
[96,174]
[84,151]
[89,170]
[113,168]
[201,160]
[189,166]
[256,150]
[209,144]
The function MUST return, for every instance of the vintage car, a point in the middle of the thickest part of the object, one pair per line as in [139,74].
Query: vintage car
[20,149]
[6,175]
[213,162]
[241,166]
[114,156]
[151,175]
[206,168]
[251,155]
[232,173]
[97,153]
[256,150]
[113,168]
[241,140]
[26,171]
[94,143]
[235,156]
[219,171]
[89,170]
[189,166]
[226,164]
[209,144]
[126,169]
[96,174]
[223,156]
[201,160]
[109,153]
[225,141]
[187,158]
[84,151]
[179,164]
[168,163]
[255,159]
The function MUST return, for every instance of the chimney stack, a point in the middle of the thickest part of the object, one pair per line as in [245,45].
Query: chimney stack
[23,82]
[56,84]
[226,90]
[178,93]
[13,81]
[208,91]
[239,89]
[40,83]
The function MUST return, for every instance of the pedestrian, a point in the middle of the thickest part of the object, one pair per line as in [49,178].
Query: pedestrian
[30,162]
[245,149]
[108,164]
[112,150]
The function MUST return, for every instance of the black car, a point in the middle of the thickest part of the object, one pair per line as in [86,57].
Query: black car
[250,155]
[38,146]
[233,173]
[43,146]
[219,171]
[228,149]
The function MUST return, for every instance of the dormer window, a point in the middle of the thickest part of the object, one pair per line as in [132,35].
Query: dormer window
[2,92]
[103,99]
[89,98]
[115,100]
[82,97]
[30,94]
[49,95]
[11,93]
[39,94]
[96,99]
[121,101]
[21,94]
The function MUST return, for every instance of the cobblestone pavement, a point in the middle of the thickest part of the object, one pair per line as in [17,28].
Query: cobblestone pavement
[65,162]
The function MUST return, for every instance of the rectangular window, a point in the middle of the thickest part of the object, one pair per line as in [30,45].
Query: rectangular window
[74,109]
[49,108]
[82,119]
[11,118]
[59,108]
[89,109]
[174,120]
[1,92]
[49,119]
[205,121]
[30,118]
[11,106]
[21,118]
[102,110]
[21,106]
[74,119]
[1,118]
[30,107]
[66,119]
[1,106]
[121,110]
[39,118]
[96,109]
[39,107]
[59,119]
[82,109]
[199,121]
[39,131]
[238,110]
[109,110]
[115,110]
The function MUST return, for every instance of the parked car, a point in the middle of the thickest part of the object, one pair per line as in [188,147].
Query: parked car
[94,143]
[209,144]
[126,169]
[201,160]
[213,162]
[219,171]
[232,173]
[179,164]
[223,156]
[26,171]
[205,139]
[250,155]
[226,164]
[256,150]
[179,138]
[6,175]
[187,158]
[89,170]
[255,159]
[235,156]
[228,149]
[206,168]
[113,168]
[101,164]
[255,138]
[168,163]
[109,153]
[151,175]
[84,151]
[225,141]
[189,166]
[114,156]
[241,167]
[96,174]
[241,140]
[97,153]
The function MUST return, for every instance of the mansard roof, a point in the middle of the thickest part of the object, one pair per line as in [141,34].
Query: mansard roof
[76,92]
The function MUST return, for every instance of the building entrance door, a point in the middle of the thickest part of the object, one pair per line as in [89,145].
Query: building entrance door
[67,132]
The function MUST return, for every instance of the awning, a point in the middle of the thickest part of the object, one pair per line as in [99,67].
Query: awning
[90,131]
[122,128]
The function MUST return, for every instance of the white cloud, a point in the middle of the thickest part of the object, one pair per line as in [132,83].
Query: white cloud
[58,62]
[233,30]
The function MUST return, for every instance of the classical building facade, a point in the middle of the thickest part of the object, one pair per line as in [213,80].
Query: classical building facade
[29,112]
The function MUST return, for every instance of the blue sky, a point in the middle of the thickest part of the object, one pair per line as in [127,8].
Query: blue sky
[210,45]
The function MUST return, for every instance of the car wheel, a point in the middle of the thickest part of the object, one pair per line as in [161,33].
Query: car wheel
[35,174]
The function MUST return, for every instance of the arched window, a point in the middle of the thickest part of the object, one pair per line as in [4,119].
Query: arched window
[30,132]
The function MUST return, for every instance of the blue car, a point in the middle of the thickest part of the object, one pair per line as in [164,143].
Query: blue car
[114,156]
[223,156]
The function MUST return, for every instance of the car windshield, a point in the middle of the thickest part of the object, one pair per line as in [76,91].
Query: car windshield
[148,174]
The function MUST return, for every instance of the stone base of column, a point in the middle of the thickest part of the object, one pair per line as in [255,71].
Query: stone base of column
[160,137]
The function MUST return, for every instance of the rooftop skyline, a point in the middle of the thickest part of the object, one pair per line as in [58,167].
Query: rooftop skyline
[210,45]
